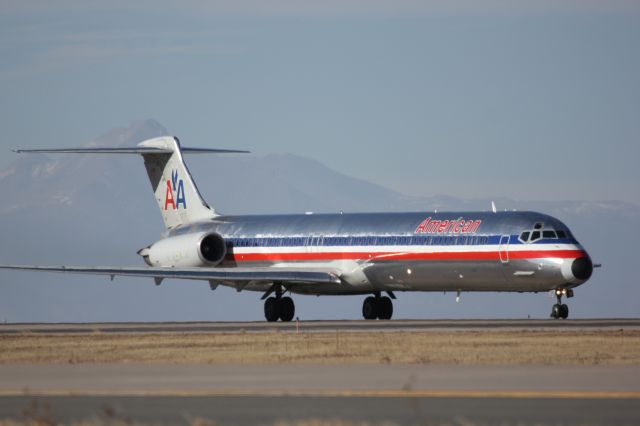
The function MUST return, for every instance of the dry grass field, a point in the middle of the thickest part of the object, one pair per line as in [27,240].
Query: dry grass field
[578,347]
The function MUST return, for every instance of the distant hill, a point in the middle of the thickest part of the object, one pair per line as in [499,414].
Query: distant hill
[100,210]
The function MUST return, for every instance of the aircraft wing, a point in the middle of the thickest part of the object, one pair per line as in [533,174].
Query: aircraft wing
[213,275]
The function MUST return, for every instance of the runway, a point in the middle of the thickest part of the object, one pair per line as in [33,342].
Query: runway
[319,326]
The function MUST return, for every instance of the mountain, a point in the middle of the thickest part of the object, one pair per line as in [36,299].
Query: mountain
[88,209]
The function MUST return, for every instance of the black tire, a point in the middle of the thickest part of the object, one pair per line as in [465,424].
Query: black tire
[271,309]
[555,311]
[287,309]
[369,308]
[385,308]
[564,311]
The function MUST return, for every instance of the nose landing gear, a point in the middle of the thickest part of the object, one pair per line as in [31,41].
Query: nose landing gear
[560,310]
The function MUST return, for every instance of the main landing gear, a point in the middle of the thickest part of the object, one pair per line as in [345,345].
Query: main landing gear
[377,306]
[278,307]
[560,310]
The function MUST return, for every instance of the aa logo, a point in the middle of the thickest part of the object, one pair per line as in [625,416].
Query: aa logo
[174,196]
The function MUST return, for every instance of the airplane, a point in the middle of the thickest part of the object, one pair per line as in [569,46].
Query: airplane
[371,254]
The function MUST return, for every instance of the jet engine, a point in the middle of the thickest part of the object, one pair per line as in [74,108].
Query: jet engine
[188,250]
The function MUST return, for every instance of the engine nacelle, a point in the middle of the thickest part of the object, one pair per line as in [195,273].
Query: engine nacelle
[188,250]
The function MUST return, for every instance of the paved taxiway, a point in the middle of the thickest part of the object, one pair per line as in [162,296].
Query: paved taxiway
[256,410]
[313,326]
[375,393]
[264,394]
[301,379]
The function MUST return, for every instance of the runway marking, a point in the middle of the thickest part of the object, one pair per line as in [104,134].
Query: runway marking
[517,394]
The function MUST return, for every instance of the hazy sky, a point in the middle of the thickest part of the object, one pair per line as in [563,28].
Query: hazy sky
[531,100]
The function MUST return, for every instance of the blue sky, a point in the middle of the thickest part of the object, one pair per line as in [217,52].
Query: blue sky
[530,100]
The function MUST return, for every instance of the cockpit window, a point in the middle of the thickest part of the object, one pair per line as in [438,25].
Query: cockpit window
[540,232]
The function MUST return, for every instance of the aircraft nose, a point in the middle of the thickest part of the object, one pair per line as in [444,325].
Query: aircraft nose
[582,268]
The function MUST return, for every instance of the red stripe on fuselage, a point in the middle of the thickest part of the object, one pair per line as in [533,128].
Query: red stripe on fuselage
[393,256]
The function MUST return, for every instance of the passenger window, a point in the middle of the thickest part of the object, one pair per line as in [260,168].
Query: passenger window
[524,237]
[535,236]
[548,234]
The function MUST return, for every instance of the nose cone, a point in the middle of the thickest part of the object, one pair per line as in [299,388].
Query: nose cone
[582,268]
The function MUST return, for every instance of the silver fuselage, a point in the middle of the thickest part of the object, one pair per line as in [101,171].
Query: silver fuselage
[444,251]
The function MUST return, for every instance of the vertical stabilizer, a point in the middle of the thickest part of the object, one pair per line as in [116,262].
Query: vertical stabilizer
[177,196]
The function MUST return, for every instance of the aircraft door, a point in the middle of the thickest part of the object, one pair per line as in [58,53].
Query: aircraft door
[503,249]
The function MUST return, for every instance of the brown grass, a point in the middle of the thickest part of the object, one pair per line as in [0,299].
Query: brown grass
[578,347]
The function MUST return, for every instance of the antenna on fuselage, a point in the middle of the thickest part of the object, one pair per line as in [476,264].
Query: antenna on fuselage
[493,207]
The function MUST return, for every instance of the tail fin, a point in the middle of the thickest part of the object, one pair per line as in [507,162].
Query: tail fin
[177,196]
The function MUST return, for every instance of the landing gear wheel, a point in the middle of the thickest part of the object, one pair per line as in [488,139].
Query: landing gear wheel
[555,311]
[560,310]
[385,308]
[369,308]
[271,309]
[287,309]
[564,311]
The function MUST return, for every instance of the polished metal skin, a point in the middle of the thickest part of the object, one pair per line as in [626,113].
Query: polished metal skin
[358,246]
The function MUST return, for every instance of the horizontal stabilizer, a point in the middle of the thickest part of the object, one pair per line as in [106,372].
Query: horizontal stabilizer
[135,150]
[175,192]
[285,275]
